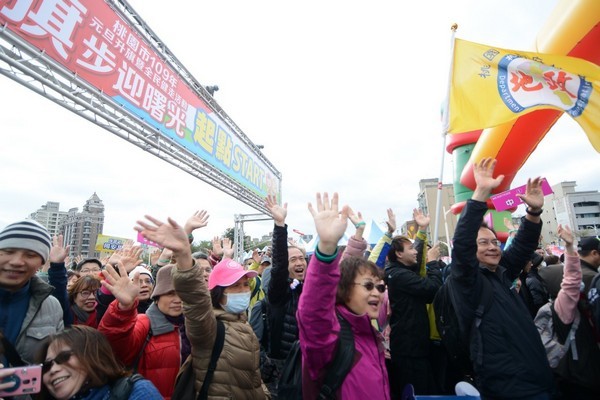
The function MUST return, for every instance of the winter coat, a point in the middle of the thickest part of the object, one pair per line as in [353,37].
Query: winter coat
[142,390]
[514,359]
[127,332]
[282,299]
[44,317]
[319,332]
[409,294]
[237,373]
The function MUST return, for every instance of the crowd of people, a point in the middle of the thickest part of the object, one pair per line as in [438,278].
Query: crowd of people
[202,325]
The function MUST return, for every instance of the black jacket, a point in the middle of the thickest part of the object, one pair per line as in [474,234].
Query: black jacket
[514,360]
[409,295]
[282,301]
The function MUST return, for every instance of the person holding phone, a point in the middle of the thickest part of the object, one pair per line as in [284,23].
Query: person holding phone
[79,363]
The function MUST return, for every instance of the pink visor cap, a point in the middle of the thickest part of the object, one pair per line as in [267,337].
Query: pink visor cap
[226,273]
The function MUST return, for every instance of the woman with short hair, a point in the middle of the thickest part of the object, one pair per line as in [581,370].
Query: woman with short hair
[82,297]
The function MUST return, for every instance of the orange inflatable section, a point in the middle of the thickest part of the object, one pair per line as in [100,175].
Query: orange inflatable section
[573,29]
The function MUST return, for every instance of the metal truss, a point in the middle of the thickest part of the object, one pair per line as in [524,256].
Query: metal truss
[125,10]
[238,232]
[33,69]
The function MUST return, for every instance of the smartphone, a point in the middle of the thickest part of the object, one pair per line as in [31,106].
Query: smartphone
[27,380]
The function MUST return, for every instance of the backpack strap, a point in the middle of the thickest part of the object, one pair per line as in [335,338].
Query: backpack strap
[487,295]
[122,387]
[214,357]
[135,365]
[257,285]
[342,361]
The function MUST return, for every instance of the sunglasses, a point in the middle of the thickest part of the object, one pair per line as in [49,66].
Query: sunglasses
[370,286]
[61,358]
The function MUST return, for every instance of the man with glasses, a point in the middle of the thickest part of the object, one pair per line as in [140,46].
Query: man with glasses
[89,266]
[28,313]
[508,357]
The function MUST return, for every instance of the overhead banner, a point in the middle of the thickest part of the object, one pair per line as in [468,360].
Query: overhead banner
[92,40]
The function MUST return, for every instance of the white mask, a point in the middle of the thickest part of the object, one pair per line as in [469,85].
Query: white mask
[237,303]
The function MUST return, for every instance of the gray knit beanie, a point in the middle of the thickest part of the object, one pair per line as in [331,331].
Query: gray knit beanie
[27,234]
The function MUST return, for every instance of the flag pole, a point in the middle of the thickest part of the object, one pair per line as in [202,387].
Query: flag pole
[445,122]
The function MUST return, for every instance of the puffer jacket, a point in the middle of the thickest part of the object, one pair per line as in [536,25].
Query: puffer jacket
[282,299]
[127,332]
[237,373]
[319,332]
[44,317]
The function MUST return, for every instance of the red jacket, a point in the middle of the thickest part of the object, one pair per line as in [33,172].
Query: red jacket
[127,332]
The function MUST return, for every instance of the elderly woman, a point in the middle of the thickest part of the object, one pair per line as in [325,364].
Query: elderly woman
[351,290]
[78,363]
[225,299]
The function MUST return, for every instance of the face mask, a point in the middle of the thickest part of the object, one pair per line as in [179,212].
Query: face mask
[237,303]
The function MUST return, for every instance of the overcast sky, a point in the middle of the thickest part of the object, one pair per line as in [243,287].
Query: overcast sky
[344,95]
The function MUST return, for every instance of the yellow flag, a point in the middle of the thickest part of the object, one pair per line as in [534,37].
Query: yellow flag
[491,86]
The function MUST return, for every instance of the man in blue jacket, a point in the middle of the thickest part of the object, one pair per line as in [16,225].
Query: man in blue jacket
[510,361]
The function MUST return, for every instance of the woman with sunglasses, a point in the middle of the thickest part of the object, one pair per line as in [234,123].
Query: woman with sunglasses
[82,297]
[351,289]
[78,363]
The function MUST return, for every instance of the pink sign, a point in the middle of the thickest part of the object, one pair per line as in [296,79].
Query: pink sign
[509,199]
[145,241]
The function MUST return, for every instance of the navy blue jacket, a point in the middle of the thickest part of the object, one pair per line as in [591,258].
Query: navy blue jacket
[514,360]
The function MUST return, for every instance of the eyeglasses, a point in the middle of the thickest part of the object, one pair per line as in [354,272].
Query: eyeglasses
[86,293]
[487,242]
[61,358]
[145,282]
[370,286]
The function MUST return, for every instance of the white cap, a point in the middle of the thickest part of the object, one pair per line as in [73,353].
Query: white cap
[141,270]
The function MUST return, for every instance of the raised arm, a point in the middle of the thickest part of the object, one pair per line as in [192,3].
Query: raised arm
[464,253]
[420,244]
[57,276]
[278,292]
[381,249]
[526,239]
[357,244]
[568,296]
[317,321]
[188,280]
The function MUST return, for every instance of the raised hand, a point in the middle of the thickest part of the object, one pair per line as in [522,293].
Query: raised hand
[277,212]
[130,257]
[433,254]
[565,234]
[115,257]
[391,221]
[483,172]
[255,256]
[330,223]
[358,222]
[421,219]
[217,249]
[58,252]
[534,196]
[227,248]
[154,257]
[168,234]
[198,220]
[118,283]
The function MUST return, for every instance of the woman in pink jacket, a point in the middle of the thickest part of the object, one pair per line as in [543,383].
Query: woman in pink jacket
[354,290]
